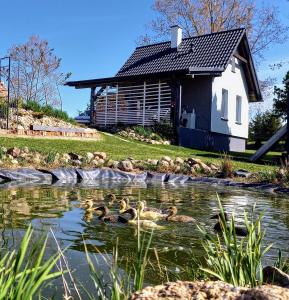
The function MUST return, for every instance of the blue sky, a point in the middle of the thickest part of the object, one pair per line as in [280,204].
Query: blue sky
[93,37]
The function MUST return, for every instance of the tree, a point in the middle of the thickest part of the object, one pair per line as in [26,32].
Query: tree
[263,126]
[280,99]
[35,72]
[198,17]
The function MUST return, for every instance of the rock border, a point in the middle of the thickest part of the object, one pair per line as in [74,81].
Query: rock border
[90,176]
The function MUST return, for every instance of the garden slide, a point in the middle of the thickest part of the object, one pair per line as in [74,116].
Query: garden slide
[269,144]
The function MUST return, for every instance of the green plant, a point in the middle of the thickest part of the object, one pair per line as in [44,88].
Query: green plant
[227,168]
[23,273]
[51,157]
[120,286]
[282,263]
[144,131]
[232,260]
[165,130]
[48,110]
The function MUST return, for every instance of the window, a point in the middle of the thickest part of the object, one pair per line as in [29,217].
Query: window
[238,109]
[224,107]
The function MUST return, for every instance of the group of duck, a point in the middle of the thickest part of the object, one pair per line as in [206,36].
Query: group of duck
[140,213]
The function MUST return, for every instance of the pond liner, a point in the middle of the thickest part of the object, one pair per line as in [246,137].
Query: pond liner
[100,174]
[158,177]
[181,179]
[20,184]
[25,174]
[65,183]
[110,183]
[64,174]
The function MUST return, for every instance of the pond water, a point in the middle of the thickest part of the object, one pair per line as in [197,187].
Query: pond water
[59,208]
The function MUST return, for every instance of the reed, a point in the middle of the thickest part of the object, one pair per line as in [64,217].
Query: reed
[233,260]
[23,272]
[121,283]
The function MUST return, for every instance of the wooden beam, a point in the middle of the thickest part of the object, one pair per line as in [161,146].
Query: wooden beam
[144,104]
[241,58]
[287,142]
[159,101]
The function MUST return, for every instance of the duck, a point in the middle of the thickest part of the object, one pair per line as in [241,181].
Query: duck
[88,216]
[105,217]
[123,206]
[88,206]
[172,216]
[240,231]
[143,223]
[148,214]
[147,208]
[111,199]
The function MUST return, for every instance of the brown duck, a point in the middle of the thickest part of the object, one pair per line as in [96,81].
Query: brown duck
[173,217]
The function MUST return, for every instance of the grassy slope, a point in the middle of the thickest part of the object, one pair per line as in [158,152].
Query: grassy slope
[119,148]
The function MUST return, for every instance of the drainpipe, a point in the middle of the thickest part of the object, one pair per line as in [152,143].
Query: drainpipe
[287,88]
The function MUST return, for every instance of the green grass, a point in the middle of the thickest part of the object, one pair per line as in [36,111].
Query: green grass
[120,148]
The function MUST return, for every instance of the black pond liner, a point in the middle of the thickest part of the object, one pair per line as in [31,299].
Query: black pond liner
[108,178]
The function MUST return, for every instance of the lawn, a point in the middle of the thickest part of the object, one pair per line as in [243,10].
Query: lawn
[119,148]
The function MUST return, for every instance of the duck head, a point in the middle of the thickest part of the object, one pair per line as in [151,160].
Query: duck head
[122,206]
[140,206]
[88,204]
[172,211]
[111,199]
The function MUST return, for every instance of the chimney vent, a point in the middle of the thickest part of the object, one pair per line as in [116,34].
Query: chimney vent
[176,36]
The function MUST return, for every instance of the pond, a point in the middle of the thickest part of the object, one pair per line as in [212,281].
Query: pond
[59,207]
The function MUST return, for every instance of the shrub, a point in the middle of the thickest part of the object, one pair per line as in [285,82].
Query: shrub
[165,130]
[227,168]
[48,110]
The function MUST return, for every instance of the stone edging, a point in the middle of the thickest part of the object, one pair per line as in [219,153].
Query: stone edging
[74,175]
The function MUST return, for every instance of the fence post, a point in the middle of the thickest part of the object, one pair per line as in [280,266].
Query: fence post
[144,104]
[159,102]
[116,104]
[105,112]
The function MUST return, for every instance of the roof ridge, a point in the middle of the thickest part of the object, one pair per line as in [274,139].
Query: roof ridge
[194,37]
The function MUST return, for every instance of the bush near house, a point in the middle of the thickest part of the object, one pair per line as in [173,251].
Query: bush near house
[48,110]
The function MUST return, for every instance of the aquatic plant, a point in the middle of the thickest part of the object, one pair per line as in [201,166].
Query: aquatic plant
[23,272]
[232,260]
[121,283]
[282,263]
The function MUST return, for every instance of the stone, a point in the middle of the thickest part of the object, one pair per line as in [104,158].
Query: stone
[26,150]
[193,161]
[214,167]
[204,167]
[101,161]
[37,160]
[15,152]
[66,156]
[4,149]
[14,161]
[125,165]
[179,161]
[153,162]
[1,162]
[166,158]
[74,156]
[110,163]
[94,162]
[101,155]
[205,290]
[163,163]
[76,162]
[273,275]
[89,156]
[242,173]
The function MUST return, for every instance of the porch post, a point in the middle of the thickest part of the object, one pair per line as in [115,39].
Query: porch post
[159,102]
[92,95]
[287,89]
[105,111]
[116,104]
[144,104]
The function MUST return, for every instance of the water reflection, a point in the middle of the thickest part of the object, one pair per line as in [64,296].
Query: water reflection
[60,208]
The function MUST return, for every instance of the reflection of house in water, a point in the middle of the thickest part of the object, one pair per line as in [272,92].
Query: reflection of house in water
[202,85]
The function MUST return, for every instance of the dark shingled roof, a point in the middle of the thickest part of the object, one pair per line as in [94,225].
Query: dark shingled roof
[206,51]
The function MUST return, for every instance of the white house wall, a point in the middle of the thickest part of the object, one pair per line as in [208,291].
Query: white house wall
[235,83]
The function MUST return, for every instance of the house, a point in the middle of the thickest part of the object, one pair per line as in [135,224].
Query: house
[202,84]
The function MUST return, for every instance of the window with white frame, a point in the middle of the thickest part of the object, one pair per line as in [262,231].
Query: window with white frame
[238,109]
[224,107]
